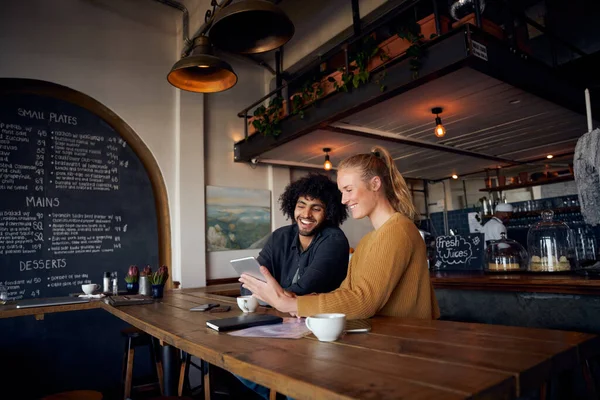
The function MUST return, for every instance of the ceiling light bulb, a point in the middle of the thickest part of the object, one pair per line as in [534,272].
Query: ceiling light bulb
[327,165]
[440,131]
[549,156]
[454,176]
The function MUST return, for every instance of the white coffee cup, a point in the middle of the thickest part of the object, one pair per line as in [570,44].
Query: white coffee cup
[89,288]
[247,303]
[326,327]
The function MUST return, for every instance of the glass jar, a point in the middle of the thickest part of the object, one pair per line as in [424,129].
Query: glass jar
[3,294]
[505,255]
[550,245]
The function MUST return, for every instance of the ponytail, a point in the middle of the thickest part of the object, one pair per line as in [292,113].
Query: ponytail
[397,191]
[380,163]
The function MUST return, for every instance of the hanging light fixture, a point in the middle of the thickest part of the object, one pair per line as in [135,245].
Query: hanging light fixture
[202,71]
[251,26]
[327,165]
[439,131]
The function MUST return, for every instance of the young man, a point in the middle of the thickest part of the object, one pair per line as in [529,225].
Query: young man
[310,255]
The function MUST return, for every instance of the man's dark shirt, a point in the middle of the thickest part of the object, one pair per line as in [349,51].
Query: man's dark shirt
[321,268]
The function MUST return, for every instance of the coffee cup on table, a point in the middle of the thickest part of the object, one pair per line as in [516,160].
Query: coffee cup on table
[247,303]
[89,288]
[326,327]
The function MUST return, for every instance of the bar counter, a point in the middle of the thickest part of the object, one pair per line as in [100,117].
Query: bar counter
[563,283]
[537,300]
[554,300]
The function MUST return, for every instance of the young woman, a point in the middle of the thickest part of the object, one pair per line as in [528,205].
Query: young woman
[388,272]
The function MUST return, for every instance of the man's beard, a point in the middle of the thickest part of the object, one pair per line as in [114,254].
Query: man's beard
[312,232]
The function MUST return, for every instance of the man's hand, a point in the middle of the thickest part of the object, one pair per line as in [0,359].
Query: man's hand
[270,291]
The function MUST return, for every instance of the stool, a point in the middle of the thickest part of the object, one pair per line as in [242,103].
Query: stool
[184,382]
[75,395]
[136,338]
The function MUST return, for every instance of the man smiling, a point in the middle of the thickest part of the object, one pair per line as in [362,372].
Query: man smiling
[311,254]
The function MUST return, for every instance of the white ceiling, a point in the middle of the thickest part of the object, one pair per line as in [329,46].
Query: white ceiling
[481,114]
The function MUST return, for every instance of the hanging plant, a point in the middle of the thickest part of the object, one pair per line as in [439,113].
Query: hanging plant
[346,79]
[267,120]
[311,91]
[358,73]
[415,52]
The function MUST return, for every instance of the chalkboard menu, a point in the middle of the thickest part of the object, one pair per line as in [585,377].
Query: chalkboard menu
[75,199]
[459,253]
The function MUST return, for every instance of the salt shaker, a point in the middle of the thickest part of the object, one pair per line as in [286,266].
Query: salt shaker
[115,284]
[106,283]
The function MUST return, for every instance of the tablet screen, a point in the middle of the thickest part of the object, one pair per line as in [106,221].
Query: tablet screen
[248,265]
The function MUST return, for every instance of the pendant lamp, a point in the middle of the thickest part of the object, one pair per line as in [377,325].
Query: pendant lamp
[251,26]
[202,71]
[440,130]
[327,165]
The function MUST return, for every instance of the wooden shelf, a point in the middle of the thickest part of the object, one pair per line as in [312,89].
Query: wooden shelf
[536,213]
[529,184]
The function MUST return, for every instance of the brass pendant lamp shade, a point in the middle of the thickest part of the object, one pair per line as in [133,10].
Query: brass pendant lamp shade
[202,71]
[251,26]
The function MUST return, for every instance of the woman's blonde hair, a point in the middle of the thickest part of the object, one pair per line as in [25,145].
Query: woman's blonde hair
[380,163]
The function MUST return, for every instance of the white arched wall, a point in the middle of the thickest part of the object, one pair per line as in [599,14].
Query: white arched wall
[119,53]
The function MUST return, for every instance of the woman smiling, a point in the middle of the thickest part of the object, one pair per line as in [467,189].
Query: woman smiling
[388,272]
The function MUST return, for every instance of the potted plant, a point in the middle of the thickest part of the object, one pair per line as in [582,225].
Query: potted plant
[369,57]
[158,279]
[145,274]
[132,279]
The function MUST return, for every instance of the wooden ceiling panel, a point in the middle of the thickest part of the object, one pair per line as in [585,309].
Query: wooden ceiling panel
[481,114]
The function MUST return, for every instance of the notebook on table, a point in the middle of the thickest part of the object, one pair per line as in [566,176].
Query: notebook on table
[243,321]
[50,301]
[133,299]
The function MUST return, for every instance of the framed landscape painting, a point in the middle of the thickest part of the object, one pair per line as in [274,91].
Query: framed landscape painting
[237,218]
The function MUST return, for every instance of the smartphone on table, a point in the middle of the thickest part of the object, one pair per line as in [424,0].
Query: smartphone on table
[220,309]
[358,326]
[204,307]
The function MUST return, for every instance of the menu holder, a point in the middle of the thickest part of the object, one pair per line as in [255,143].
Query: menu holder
[459,253]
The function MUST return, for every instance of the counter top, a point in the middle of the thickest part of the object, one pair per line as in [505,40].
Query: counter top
[474,280]
[522,282]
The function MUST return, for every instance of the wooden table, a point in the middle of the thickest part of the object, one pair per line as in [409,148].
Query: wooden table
[399,358]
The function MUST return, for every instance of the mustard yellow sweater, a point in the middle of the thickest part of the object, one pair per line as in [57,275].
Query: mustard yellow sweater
[387,275]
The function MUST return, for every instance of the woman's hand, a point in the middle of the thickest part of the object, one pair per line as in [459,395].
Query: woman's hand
[270,292]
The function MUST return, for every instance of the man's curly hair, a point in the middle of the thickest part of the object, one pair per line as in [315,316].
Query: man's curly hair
[315,186]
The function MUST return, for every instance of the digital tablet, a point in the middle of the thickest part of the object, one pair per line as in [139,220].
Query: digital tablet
[247,265]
